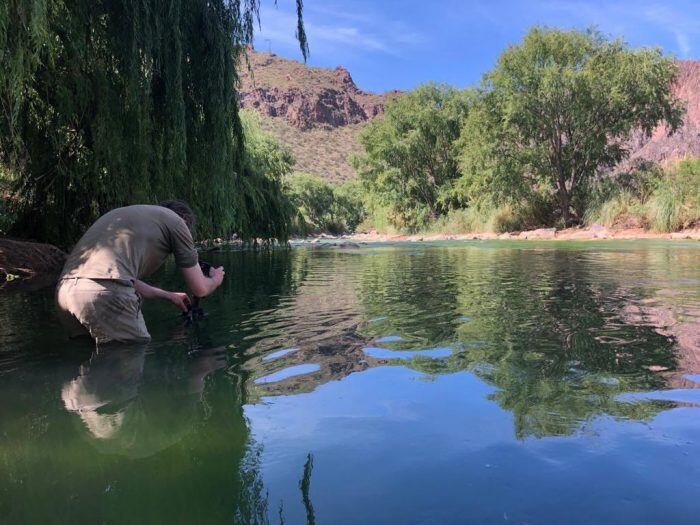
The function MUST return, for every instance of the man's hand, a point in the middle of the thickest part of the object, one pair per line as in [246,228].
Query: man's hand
[179,299]
[217,274]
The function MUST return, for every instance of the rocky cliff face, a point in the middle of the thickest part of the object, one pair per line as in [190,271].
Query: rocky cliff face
[306,97]
[661,147]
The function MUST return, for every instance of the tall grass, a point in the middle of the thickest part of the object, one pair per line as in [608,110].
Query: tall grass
[480,219]
[620,209]
[671,204]
[676,202]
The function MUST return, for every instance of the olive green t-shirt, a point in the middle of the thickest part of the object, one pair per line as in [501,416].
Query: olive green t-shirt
[131,243]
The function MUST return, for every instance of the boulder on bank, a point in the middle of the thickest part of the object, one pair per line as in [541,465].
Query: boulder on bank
[29,260]
[540,233]
[599,232]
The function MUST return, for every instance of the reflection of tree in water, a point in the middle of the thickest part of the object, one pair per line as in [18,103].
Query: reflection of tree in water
[415,291]
[305,486]
[253,505]
[543,327]
[319,322]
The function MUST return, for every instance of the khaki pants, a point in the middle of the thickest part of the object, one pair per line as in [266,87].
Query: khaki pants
[110,311]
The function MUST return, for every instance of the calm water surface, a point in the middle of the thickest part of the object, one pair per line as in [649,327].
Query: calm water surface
[480,382]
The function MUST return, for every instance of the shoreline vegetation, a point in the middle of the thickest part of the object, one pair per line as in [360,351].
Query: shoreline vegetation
[23,262]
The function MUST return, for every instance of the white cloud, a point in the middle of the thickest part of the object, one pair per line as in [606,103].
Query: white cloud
[640,20]
[647,22]
[684,44]
[330,30]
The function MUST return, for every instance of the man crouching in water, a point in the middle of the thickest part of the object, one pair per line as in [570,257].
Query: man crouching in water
[100,289]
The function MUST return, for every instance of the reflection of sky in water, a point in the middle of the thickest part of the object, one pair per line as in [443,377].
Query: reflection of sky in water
[279,353]
[691,396]
[437,451]
[389,339]
[291,371]
[385,353]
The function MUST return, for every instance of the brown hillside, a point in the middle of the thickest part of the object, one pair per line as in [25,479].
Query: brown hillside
[316,112]
[322,151]
[662,148]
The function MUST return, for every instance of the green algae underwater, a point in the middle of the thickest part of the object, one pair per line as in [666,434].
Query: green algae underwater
[473,382]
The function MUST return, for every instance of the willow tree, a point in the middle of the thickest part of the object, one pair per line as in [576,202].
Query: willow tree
[560,107]
[108,102]
[268,212]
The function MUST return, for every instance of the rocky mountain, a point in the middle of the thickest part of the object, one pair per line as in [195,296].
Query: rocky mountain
[306,97]
[316,112]
[661,147]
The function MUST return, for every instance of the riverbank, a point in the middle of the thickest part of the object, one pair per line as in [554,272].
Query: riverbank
[579,234]
[28,263]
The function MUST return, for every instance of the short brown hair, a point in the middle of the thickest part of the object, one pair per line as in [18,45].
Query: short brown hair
[182,209]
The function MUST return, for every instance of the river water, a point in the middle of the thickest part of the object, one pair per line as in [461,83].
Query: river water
[484,382]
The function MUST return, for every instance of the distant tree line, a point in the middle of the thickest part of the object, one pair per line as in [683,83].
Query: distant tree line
[529,146]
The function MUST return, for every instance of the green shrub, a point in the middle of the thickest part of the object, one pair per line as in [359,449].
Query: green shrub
[349,203]
[461,220]
[325,207]
[505,219]
[376,216]
[266,211]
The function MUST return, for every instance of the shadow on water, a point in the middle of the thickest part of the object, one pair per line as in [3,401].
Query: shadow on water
[160,433]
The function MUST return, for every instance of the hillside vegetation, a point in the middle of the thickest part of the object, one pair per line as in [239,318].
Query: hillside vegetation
[317,113]
[324,152]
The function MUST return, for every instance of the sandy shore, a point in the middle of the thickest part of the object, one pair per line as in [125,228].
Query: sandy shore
[579,234]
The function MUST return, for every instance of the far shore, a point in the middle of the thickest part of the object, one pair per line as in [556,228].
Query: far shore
[25,261]
[592,233]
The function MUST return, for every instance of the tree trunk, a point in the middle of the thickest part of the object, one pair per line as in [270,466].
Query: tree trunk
[564,204]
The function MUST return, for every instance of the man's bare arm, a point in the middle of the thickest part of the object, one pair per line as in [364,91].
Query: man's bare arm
[179,299]
[199,284]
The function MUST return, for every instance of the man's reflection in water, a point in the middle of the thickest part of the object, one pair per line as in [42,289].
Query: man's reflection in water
[134,406]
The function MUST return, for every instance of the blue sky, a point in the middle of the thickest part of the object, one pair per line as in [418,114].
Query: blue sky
[394,44]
